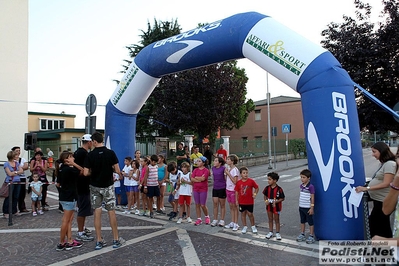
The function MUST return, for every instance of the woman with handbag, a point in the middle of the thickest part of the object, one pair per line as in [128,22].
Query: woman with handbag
[378,189]
[13,170]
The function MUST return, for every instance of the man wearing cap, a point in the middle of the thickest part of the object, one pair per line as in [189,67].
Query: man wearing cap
[83,189]
[100,165]
[180,155]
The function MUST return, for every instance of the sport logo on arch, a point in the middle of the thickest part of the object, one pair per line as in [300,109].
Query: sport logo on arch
[325,158]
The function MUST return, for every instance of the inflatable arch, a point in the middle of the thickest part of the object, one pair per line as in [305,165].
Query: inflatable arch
[327,94]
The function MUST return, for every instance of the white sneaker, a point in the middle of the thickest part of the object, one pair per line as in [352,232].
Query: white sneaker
[154,206]
[179,221]
[269,235]
[189,220]
[230,225]
[137,212]
[254,230]
[221,223]
[214,223]
[126,212]
[278,236]
[244,230]
[235,227]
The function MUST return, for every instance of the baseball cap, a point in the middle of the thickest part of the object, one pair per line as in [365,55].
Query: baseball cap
[86,137]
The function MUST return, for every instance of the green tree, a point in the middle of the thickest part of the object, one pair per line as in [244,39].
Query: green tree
[198,101]
[371,58]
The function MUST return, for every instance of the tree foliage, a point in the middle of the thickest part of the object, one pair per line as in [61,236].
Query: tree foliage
[196,101]
[370,54]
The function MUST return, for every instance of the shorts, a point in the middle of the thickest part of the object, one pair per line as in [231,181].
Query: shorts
[153,192]
[135,188]
[231,196]
[219,193]
[84,205]
[118,191]
[103,194]
[305,217]
[129,188]
[68,205]
[184,199]
[36,198]
[200,197]
[249,208]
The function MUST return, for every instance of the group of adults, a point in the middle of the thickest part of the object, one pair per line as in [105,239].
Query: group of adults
[383,192]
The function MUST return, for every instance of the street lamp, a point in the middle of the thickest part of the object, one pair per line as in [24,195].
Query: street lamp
[268,122]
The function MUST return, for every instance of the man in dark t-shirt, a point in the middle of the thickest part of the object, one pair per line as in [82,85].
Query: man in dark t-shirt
[83,188]
[180,155]
[100,164]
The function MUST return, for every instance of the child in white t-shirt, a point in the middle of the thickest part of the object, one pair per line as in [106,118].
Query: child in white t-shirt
[174,175]
[36,197]
[185,189]
[118,190]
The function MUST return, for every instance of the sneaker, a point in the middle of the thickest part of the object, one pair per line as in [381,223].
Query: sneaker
[301,238]
[41,212]
[198,221]
[230,225]
[173,215]
[118,206]
[269,235]
[116,244]
[87,231]
[179,220]
[60,247]
[254,230]
[207,220]
[278,236]
[75,244]
[189,220]
[126,212]
[35,214]
[68,246]
[85,238]
[235,227]
[221,223]
[100,245]
[141,213]
[160,212]
[137,212]
[147,213]
[151,215]
[184,215]
[124,207]
[154,206]
[310,239]
[170,214]
[163,209]
[214,223]
[244,230]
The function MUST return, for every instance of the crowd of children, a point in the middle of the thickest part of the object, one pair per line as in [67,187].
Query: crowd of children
[152,177]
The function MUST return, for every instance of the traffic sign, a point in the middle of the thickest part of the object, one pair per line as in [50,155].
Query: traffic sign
[286,128]
[91,104]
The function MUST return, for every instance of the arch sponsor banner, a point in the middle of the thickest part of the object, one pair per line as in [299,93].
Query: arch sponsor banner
[329,108]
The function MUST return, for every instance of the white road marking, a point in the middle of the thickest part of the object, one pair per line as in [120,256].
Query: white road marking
[188,249]
[296,178]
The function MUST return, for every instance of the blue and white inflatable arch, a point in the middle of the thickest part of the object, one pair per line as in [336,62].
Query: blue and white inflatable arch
[327,93]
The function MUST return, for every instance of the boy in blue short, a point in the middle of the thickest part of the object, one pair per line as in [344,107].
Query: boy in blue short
[306,205]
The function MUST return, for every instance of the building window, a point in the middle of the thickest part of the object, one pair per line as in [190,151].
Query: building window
[257,115]
[244,142]
[50,124]
[258,142]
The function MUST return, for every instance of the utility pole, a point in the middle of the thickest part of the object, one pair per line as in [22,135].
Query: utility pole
[268,122]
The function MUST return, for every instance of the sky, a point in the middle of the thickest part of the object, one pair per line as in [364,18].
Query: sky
[77,47]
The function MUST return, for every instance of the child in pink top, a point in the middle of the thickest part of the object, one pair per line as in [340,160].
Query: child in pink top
[144,168]
[199,178]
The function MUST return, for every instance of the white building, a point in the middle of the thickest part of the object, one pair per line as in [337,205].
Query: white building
[13,74]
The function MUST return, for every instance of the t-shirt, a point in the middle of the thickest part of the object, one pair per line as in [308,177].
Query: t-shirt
[100,162]
[117,182]
[229,184]
[185,189]
[36,185]
[388,167]
[173,177]
[83,185]
[304,195]
[245,191]
[200,186]
[274,194]
[126,181]
[161,172]
[67,177]
[219,180]
[221,153]
[136,172]
[180,153]
[152,179]
[195,156]
[12,169]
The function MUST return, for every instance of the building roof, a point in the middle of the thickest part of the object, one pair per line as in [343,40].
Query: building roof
[277,100]
[51,114]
